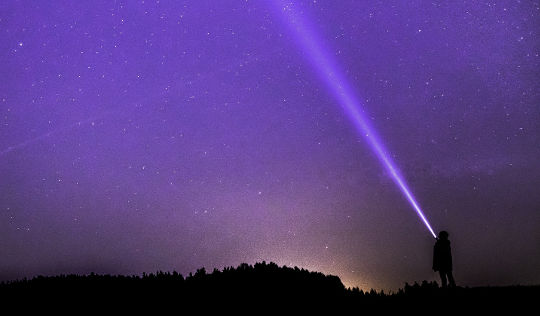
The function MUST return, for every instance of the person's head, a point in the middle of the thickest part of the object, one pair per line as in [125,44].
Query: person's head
[443,234]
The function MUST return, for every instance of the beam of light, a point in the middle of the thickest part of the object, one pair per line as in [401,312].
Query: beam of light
[333,77]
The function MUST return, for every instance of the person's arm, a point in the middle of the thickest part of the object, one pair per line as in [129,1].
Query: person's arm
[435,263]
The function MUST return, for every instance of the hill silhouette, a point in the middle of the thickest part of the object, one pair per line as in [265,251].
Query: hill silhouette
[248,286]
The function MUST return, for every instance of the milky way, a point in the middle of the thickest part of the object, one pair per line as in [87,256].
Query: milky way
[171,135]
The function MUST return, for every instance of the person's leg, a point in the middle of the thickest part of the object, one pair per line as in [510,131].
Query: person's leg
[443,278]
[451,279]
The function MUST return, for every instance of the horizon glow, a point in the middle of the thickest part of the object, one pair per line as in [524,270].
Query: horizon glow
[329,72]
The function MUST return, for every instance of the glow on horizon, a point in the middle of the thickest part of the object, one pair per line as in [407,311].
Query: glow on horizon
[330,74]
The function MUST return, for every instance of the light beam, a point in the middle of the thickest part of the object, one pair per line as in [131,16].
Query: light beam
[329,72]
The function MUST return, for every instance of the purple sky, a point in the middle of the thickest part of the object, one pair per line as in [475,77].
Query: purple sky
[167,135]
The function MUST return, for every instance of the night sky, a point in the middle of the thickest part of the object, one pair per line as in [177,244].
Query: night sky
[138,136]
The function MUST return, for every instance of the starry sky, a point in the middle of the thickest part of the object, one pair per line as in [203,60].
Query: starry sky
[138,136]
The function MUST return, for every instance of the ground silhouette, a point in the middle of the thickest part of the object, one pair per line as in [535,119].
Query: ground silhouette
[250,288]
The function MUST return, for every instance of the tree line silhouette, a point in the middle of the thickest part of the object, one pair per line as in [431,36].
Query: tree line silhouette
[261,284]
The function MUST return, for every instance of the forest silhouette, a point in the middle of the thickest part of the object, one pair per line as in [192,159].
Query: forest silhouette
[260,285]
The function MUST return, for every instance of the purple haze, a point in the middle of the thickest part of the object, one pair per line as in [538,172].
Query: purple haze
[171,135]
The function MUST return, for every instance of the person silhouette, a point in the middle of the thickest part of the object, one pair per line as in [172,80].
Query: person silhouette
[442,259]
